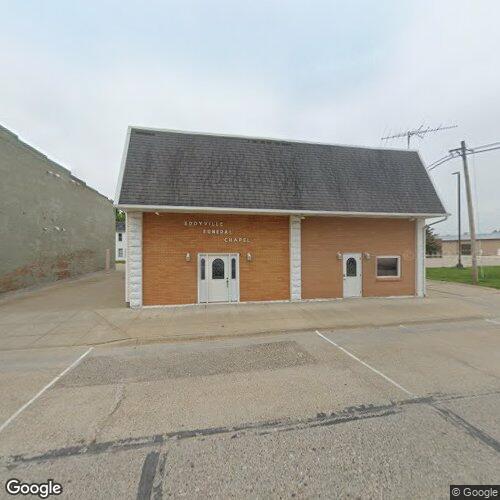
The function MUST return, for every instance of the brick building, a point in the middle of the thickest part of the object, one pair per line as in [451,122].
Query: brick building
[487,244]
[52,225]
[215,218]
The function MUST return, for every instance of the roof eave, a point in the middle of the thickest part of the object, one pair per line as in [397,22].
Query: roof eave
[265,211]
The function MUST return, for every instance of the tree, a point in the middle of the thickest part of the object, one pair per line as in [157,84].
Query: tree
[119,215]
[432,242]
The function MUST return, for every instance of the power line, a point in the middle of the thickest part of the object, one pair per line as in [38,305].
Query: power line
[455,153]
[484,150]
[486,145]
[442,160]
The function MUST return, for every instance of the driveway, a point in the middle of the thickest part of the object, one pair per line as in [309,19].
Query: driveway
[400,399]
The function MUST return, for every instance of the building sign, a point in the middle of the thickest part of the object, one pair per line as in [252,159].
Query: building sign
[203,223]
[216,228]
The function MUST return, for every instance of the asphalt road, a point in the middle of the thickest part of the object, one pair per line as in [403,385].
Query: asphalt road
[389,412]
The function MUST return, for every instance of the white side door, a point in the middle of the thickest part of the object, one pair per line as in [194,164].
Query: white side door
[352,274]
[218,278]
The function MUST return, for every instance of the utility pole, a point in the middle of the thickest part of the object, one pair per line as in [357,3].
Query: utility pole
[463,152]
[459,264]
[470,207]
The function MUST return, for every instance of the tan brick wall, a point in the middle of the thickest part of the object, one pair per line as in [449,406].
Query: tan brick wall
[488,247]
[169,279]
[323,237]
[449,247]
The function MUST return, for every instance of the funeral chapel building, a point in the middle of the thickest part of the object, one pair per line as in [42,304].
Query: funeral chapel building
[213,218]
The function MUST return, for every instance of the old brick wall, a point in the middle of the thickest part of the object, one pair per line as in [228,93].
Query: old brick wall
[169,279]
[323,237]
[52,226]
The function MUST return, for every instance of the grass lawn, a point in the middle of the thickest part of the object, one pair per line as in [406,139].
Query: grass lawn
[488,275]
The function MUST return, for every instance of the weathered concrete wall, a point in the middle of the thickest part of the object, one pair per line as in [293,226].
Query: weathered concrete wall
[52,226]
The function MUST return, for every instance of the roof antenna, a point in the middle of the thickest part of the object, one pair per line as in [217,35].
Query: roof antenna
[419,132]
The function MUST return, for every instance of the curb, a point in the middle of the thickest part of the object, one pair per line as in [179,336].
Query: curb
[185,338]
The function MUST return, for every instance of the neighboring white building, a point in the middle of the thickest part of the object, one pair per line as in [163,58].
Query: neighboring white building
[121,241]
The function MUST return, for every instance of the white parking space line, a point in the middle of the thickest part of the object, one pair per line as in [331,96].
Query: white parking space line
[48,386]
[367,365]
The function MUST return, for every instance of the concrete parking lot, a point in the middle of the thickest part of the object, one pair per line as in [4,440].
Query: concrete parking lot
[386,410]
[91,311]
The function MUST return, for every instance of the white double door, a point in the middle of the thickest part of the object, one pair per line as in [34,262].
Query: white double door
[218,278]
[352,275]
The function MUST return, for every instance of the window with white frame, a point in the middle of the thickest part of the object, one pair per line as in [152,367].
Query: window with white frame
[120,236]
[120,253]
[389,266]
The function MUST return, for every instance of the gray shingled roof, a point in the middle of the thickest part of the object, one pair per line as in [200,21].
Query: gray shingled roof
[165,168]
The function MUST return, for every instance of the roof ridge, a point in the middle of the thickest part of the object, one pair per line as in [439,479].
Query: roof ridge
[266,139]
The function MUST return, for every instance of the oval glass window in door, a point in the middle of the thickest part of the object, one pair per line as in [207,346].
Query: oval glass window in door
[350,267]
[218,269]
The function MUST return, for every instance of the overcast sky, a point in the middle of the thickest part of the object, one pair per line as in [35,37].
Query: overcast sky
[74,75]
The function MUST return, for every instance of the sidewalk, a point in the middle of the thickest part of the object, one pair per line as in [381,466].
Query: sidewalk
[90,311]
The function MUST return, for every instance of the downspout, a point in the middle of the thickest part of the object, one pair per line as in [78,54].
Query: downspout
[437,222]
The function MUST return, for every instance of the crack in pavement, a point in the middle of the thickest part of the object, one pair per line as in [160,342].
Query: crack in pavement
[148,475]
[151,479]
[119,397]
[459,422]
[349,414]
[158,479]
